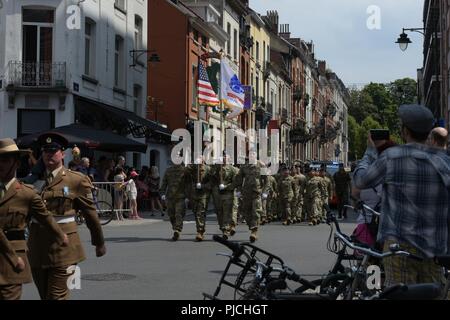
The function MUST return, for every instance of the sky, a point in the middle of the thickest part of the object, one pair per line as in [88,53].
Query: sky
[341,36]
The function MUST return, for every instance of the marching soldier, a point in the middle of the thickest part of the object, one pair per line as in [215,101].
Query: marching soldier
[174,191]
[64,194]
[287,189]
[302,180]
[224,176]
[199,192]
[313,198]
[328,191]
[18,204]
[271,201]
[248,182]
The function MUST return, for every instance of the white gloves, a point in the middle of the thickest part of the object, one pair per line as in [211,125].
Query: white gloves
[221,186]
[264,195]
[238,194]
[163,197]
[199,186]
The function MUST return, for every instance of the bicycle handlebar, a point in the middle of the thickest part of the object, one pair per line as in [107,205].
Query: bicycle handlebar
[374,253]
[233,246]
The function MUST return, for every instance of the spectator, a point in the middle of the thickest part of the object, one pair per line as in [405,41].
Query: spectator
[120,162]
[415,198]
[438,138]
[154,185]
[132,195]
[86,169]
[119,196]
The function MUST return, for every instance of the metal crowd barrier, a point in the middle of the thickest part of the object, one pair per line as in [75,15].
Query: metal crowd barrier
[109,192]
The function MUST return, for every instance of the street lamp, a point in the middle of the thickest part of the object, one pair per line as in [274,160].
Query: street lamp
[403,41]
[136,54]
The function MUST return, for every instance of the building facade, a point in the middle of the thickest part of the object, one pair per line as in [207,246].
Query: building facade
[68,62]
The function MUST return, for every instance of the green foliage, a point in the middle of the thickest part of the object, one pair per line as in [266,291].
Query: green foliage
[375,107]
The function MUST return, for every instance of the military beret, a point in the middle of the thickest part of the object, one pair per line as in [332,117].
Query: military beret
[417,118]
[53,142]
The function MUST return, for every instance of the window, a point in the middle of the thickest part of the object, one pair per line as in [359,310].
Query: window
[257,87]
[89,50]
[137,99]
[229,39]
[27,123]
[194,86]
[257,51]
[138,36]
[118,63]
[235,45]
[120,5]
[37,46]
[264,52]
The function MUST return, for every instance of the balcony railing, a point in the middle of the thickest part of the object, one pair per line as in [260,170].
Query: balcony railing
[36,74]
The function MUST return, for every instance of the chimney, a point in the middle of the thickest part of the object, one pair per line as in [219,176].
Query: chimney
[284,31]
[322,64]
[272,15]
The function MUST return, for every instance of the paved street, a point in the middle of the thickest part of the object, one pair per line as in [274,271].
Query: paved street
[142,263]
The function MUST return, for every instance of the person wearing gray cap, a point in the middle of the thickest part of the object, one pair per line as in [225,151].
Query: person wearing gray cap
[415,198]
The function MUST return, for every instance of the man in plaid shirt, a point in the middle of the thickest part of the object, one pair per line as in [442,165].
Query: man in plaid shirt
[415,198]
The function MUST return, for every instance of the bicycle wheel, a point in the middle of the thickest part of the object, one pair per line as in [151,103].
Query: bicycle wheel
[335,286]
[105,212]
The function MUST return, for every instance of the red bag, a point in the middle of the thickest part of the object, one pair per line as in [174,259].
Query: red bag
[363,234]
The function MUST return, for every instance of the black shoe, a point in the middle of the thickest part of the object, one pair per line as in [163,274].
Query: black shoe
[232,232]
[176,236]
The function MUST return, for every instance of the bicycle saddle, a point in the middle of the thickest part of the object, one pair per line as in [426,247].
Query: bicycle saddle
[420,291]
[443,261]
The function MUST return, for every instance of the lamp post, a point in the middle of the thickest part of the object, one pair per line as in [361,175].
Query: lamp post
[403,41]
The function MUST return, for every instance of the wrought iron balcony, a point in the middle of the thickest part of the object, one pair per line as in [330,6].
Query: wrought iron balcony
[36,74]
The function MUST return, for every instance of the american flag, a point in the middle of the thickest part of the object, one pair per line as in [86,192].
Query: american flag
[206,94]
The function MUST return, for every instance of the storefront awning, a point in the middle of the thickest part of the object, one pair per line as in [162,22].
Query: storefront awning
[103,116]
[84,136]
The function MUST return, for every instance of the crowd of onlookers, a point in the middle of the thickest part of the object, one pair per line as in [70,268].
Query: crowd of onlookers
[140,188]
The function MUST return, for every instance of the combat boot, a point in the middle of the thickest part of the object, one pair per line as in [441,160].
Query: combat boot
[176,235]
[199,237]
[232,231]
[253,235]
[226,235]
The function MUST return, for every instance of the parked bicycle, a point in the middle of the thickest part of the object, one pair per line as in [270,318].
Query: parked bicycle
[105,210]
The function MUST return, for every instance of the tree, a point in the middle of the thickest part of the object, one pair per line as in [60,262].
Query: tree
[353,128]
[403,91]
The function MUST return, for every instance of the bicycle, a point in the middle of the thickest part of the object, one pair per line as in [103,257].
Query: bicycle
[105,211]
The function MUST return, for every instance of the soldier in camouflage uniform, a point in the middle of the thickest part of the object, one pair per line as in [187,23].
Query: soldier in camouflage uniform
[267,185]
[200,188]
[174,190]
[271,200]
[300,185]
[313,198]
[286,189]
[275,209]
[248,183]
[328,191]
[223,177]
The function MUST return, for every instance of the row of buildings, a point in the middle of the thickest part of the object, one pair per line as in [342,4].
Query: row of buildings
[433,77]
[130,67]
[291,90]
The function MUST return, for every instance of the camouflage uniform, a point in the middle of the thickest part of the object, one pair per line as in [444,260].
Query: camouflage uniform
[286,189]
[327,194]
[248,182]
[313,198]
[266,189]
[225,174]
[300,208]
[199,173]
[271,201]
[276,200]
[174,187]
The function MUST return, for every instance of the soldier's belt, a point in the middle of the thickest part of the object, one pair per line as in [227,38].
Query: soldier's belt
[59,220]
[15,235]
